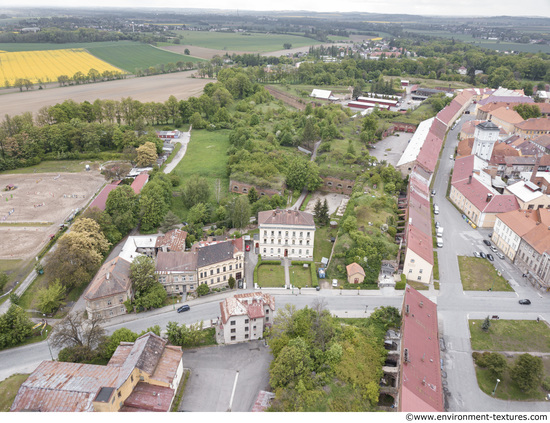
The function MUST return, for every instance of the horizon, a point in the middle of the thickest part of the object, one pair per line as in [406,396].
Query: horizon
[428,8]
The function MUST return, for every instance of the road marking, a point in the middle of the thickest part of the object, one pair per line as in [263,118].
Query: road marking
[233,392]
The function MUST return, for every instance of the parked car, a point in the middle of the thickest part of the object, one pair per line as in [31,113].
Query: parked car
[335,283]
[525,301]
[493,249]
[247,248]
[487,243]
[482,254]
[490,235]
[436,209]
[500,255]
[476,254]
[437,225]
[183,308]
[490,257]
[433,192]
[451,157]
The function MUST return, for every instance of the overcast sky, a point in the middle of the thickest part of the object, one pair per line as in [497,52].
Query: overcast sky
[415,7]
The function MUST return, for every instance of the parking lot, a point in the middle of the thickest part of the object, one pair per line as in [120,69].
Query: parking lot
[217,371]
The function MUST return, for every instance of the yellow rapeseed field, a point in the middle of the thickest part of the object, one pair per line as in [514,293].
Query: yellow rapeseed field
[48,65]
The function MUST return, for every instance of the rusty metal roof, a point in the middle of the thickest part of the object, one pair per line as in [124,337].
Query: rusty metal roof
[147,397]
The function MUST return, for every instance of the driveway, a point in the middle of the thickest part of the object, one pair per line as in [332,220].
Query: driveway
[184,141]
[220,374]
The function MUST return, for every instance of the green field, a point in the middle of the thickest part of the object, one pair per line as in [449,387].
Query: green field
[206,156]
[510,335]
[252,42]
[126,55]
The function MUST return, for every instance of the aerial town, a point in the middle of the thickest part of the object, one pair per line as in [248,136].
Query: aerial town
[207,210]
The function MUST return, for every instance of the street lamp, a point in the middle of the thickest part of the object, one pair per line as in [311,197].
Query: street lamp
[48,342]
[494,390]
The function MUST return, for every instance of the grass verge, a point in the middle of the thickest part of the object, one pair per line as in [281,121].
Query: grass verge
[478,274]
[8,390]
[510,335]
[181,391]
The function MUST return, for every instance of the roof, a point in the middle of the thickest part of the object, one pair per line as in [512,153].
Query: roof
[415,143]
[59,387]
[487,125]
[448,114]
[354,268]
[285,217]
[101,200]
[485,199]
[173,240]
[111,279]
[534,124]
[176,261]
[323,94]
[429,152]
[421,385]
[464,148]
[139,182]
[251,304]
[543,141]
[216,253]
[520,221]
[420,243]
[463,168]
[507,115]
[147,397]
[133,243]
[521,191]
[539,237]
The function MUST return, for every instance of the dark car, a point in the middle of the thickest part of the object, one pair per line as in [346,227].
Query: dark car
[490,257]
[183,308]
[525,301]
[490,235]
[487,243]
[482,254]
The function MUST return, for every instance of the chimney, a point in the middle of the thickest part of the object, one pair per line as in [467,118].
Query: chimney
[489,196]
[535,169]
[470,179]
[107,275]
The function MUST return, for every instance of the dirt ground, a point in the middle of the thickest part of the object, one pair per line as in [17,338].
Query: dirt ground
[151,88]
[333,201]
[40,197]
[202,52]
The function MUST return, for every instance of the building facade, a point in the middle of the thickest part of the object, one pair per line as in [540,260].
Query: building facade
[485,137]
[286,234]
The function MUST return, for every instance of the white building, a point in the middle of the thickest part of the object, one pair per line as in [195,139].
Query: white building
[485,136]
[286,233]
[244,317]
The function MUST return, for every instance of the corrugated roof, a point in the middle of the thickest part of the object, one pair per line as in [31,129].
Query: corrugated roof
[148,397]
[415,143]
[421,385]
[285,217]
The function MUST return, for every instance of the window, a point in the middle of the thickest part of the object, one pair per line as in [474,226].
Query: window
[301,234]
[280,233]
[410,270]
[278,251]
[419,278]
[272,233]
[246,320]
[300,251]
[420,271]
[246,329]
[232,322]
[412,260]
[265,233]
[265,241]
[224,277]
[271,250]
[231,266]
[233,338]
[190,278]
[233,330]
[307,235]
[286,233]
[254,327]
[108,302]
[265,250]
[211,272]
[218,270]
[267,311]
[294,233]
[132,378]
[267,319]
[119,394]
[246,336]
[120,299]
[307,242]
[223,268]
[218,279]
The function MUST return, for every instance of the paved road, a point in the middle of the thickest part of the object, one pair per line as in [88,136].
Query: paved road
[184,141]
[19,291]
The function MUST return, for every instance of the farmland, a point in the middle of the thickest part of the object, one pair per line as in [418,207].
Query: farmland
[250,42]
[48,65]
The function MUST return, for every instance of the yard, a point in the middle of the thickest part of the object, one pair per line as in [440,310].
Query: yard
[511,335]
[300,276]
[478,274]
[323,245]
[271,276]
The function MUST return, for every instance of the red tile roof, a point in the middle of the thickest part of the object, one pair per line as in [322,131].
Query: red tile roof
[429,152]
[251,304]
[420,243]
[111,279]
[463,168]
[534,124]
[285,217]
[173,240]
[139,182]
[421,385]
[354,268]
[464,148]
[101,200]
[448,114]
[477,194]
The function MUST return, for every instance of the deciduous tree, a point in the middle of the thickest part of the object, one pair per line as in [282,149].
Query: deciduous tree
[51,298]
[527,372]
[76,330]
[142,274]
[146,154]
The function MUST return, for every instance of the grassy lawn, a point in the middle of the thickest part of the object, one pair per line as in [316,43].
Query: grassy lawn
[507,389]
[510,335]
[478,274]
[51,166]
[323,246]
[300,276]
[436,266]
[271,275]
[418,285]
[254,42]
[8,390]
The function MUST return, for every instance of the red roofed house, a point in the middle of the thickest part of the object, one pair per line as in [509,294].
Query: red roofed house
[356,274]
[419,259]
[244,317]
[532,128]
[140,182]
[141,376]
[101,200]
[421,387]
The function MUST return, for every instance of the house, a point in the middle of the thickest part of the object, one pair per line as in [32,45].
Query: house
[420,383]
[139,245]
[173,240]
[542,143]
[244,317]
[323,95]
[510,227]
[168,135]
[218,262]
[505,118]
[286,233]
[356,274]
[141,376]
[533,128]
[529,195]
[177,271]
[109,289]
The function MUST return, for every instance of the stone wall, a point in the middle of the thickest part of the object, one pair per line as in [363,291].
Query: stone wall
[243,188]
[340,186]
